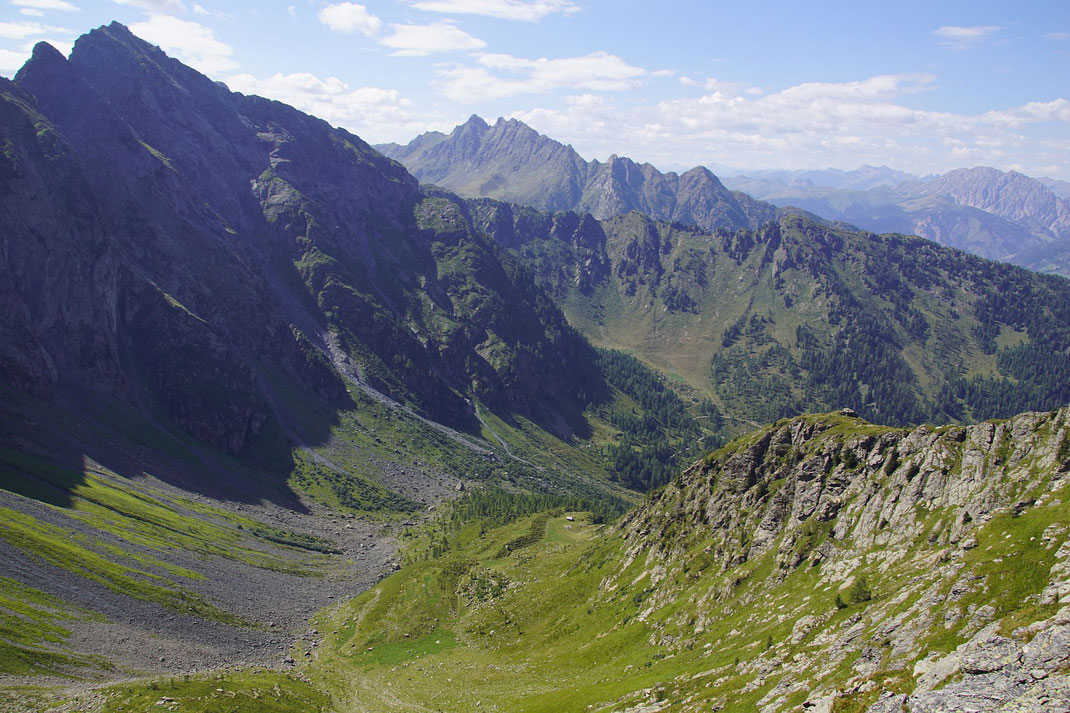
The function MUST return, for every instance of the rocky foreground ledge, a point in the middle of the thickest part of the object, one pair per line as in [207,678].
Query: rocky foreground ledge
[958,533]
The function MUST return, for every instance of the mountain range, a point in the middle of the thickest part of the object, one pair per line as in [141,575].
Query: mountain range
[996,214]
[1000,215]
[510,161]
[283,428]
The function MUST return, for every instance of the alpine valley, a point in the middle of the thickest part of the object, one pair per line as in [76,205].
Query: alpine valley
[284,429]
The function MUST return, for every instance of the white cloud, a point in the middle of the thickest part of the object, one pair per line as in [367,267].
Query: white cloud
[162,6]
[416,40]
[501,75]
[11,61]
[57,5]
[526,10]
[22,30]
[1031,113]
[1058,36]
[590,122]
[191,42]
[720,86]
[964,38]
[205,12]
[809,125]
[348,17]
[31,12]
[373,113]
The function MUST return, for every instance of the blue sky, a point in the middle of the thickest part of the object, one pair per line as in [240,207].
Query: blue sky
[920,86]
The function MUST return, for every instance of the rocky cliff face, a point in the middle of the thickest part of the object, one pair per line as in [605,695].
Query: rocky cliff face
[958,534]
[512,162]
[181,247]
[1008,194]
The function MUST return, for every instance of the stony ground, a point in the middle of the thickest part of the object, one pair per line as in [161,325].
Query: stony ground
[140,638]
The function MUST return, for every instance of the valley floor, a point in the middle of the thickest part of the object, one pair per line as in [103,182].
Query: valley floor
[820,563]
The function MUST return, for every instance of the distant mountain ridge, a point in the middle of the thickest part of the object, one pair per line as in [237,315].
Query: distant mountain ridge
[1002,215]
[863,178]
[512,162]
[999,215]
[1008,194]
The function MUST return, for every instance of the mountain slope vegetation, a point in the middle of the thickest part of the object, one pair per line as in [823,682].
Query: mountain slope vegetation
[799,316]
[244,356]
[819,562]
[227,323]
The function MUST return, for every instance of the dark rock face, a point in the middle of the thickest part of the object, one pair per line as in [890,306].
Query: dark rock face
[169,242]
[512,162]
[566,250]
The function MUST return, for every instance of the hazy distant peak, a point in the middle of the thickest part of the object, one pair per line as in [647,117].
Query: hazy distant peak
[511,161]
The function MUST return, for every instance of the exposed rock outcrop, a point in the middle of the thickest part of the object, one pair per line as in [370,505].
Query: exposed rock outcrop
[917,533]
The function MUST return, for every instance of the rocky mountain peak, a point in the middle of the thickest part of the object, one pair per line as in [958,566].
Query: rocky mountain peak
[46,63]
[702,172]
[512,161]
[1008,194]
[475,121]
[44,52]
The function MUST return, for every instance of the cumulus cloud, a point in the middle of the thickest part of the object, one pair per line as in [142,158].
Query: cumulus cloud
[525,10]
[191,42]
[348,17]
[964,38]
[22,30]
[56,5]
[374,113]
[418,40]
[815,124]
[1057,110]
[11,61]
[496,76]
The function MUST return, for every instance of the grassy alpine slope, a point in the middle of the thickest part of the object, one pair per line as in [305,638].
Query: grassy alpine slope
[801,317]
[819,559]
